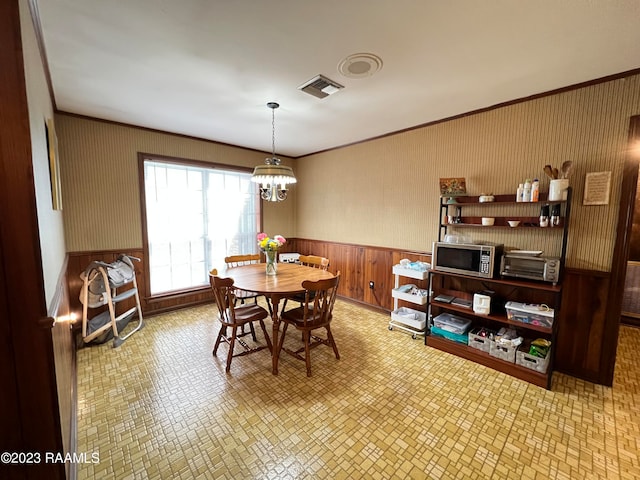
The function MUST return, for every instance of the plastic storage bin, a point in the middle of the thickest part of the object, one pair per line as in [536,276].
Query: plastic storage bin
[533,314]
[412,273]
[404,292]
[410,317]
[452,323]
[456,337]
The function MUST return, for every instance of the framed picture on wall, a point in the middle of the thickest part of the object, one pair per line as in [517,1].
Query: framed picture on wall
[54,167]
[597,188]
[453,187]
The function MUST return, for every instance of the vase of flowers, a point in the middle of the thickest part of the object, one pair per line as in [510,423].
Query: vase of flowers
[270,248]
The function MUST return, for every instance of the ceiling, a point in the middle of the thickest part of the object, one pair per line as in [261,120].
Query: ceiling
[207,68]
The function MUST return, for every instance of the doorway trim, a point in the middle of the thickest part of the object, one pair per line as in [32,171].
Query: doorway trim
[621,251]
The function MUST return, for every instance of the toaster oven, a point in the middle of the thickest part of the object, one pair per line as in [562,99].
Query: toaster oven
[545,269]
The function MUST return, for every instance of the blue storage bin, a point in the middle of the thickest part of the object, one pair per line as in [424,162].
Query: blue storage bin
[456,337]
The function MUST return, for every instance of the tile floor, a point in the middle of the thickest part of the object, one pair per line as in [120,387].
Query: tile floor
[161,407]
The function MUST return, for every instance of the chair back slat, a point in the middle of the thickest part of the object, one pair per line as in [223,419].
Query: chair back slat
[320,296]
[314,261]
[223,292]
[240,260]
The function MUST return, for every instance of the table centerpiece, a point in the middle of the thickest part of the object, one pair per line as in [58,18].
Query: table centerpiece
[270,248]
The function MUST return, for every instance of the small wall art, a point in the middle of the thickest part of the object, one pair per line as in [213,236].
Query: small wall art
[453,187]
[597,188]
[54,167]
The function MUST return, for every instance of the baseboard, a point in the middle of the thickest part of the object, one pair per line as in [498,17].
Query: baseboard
[360,303]
[629,320]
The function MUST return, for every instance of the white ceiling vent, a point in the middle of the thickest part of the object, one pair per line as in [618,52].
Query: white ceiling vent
[320,86]
[360,65]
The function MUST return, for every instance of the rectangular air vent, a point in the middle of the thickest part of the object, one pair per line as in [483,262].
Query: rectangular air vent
[320,86]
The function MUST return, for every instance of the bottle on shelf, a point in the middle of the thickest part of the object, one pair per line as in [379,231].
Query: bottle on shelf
[535,190]
[555,215]
[526,193]
[544,216]
[519,193]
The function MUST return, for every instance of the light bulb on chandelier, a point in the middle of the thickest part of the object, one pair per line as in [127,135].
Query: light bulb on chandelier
[273,177]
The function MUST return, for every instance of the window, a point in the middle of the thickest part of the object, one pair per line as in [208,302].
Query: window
[196,216]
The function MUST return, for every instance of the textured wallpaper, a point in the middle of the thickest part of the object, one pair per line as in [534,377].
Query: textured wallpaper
[386,192]
[100,187]
[50,222]
[382,192]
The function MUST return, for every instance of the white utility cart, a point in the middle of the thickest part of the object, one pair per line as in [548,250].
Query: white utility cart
[407,319]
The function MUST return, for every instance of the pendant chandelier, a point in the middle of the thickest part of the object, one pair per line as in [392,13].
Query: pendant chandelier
[273,177]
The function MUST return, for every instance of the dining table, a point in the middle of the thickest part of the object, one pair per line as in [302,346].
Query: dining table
[287,282]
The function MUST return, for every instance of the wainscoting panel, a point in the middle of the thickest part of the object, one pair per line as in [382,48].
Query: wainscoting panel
[64,355]
[377,267]
[79,261]
[360,265]
[579,347]
[347,259]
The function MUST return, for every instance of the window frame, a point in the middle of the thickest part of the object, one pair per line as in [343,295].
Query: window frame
[142,157]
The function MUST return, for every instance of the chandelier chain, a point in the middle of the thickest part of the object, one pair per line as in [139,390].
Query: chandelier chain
[272,177]
[273,132]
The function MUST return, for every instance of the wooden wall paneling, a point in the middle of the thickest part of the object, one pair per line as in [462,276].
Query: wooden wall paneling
[358,265]
[342,257]
[348,259]
[79,261]
[320,249]
[179,300]
[295,245]
[10,399]
[64,353]
[634,239]
[299,245]
[579,350]
[310,247]
[334,253]
[377,265]
[412,256]
[582,318]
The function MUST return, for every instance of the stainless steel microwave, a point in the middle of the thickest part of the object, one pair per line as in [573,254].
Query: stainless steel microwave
[467,259]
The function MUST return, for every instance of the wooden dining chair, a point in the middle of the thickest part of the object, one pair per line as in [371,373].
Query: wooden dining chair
[315,313]
[238,261]
[233,317]
[309,261]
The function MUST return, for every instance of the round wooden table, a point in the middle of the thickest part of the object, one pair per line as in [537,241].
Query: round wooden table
[287,282]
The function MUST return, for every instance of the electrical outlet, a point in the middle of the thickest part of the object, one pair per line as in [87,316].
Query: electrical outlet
[371,284]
